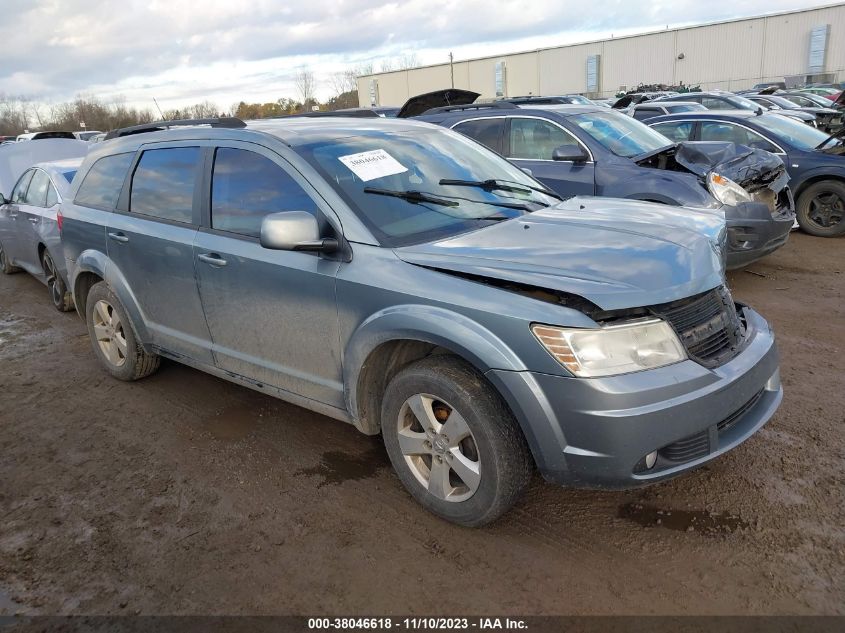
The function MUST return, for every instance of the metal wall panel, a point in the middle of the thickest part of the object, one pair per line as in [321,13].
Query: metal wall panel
[730,55]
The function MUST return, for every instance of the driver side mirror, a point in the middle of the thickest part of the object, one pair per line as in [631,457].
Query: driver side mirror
[573,153]
[3,199]
[294,231]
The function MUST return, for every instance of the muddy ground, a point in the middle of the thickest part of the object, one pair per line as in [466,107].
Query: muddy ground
[184,494]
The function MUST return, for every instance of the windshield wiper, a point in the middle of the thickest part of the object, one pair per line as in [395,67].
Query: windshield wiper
[413,196]
[501,185]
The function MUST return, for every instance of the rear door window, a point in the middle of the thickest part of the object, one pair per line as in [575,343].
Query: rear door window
[722,131]
[102,184]
[535,139]
[19,192]
[246,186]
[52,196]
[163,184]
[646,113]
[36,195]
[676,131]
[488,132]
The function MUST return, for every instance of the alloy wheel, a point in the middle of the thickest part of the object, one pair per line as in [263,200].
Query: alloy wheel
[53,281]
[827,209]
[109,332]
[439,448]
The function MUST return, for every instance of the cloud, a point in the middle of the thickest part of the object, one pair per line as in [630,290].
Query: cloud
[182,52]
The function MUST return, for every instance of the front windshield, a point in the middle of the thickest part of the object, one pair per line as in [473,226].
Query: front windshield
[580,100]
[810,100]
[621,134]
[792,131]
[786,104]
[416,160]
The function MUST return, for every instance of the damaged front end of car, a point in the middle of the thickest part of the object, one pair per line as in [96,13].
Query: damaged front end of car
[752,186]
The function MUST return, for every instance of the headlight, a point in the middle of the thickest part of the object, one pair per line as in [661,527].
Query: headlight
[614,349]
[726,190]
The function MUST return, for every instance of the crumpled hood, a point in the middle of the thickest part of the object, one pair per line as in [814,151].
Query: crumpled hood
[750,168]
[615,253]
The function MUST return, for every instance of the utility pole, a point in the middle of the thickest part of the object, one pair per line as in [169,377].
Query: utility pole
[452,68]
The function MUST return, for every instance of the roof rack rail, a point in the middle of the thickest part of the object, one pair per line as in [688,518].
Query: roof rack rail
[155,126]
[494,105]
[361,113]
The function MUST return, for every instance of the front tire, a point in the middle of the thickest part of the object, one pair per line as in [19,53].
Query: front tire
[821,209]
[453,442]
[62,300]
[113,337]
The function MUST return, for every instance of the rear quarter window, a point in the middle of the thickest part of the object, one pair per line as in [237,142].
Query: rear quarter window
[102,184]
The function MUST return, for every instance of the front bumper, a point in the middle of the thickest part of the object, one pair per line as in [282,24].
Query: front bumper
[596,432]
[754,231]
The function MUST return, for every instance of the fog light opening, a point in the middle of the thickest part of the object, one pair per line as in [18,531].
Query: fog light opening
[650,460]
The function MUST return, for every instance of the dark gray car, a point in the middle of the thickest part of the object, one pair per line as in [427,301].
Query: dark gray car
[403,278]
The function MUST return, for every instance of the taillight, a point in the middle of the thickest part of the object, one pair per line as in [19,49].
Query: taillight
[59,220]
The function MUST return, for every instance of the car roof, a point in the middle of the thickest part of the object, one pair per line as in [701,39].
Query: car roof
[292,131]
[646,104]
[716,114]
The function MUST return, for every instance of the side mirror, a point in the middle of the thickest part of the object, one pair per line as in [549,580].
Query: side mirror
[294,231]
[573,153]
[527,171]
[3,199]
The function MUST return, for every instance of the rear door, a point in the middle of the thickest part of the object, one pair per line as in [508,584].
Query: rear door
[31,219]
[11,222]
[272,314]
[530,142]
[150,240]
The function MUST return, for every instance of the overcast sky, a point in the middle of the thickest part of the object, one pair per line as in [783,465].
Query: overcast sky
[183,52]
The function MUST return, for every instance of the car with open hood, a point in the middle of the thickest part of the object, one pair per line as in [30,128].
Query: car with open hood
[29,227]
[30,194]
[405,279]
[590,150]
[814,159]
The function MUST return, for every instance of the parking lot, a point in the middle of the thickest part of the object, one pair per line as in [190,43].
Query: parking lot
[185,494]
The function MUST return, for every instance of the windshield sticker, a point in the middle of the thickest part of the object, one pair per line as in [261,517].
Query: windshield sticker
[371,165]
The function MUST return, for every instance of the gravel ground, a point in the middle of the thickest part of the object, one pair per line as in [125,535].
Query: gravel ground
[184,494]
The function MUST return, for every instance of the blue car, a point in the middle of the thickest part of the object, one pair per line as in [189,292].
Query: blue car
[589,150]
[814,159]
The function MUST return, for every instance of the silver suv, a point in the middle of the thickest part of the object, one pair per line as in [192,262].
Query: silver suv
[403,278]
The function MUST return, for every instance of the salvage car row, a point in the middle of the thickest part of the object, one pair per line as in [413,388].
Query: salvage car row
[480,305]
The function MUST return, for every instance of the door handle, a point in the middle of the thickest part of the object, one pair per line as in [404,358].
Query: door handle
[13,215]
[33,220]
[212,258]
[118,237]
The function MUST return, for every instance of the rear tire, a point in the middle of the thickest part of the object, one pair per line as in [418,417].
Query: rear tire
[62,300]
[5,265]
[821,209]
[453,442]
[113,337]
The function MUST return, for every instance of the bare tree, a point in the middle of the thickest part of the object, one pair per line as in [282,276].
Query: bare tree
[305,85]
[386,65]
[408,60]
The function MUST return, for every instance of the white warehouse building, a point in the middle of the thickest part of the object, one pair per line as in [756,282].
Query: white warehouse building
[796,47]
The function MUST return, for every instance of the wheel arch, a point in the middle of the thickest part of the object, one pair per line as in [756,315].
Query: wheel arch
[817,177]
[93,267]
[394,338]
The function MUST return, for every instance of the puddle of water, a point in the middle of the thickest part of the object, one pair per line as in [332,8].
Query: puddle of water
[234,423]
[336,467]
[682,520]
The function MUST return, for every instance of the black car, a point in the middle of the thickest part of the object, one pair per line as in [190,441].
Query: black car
[815,160]
[717,100]
[591,150]
[827,119]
